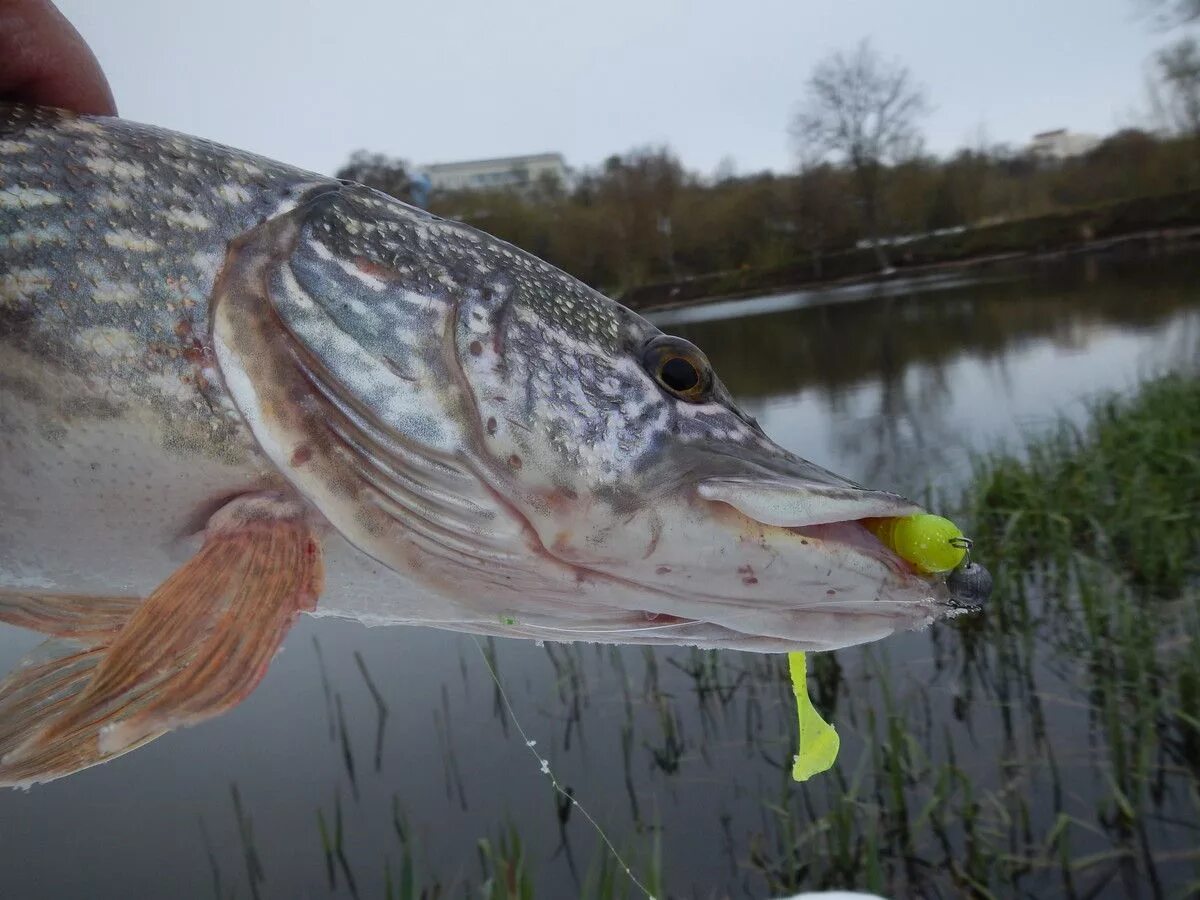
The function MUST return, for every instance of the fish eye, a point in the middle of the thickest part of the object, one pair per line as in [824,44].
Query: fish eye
[679,368]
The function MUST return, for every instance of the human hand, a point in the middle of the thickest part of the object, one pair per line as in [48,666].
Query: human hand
[44,60]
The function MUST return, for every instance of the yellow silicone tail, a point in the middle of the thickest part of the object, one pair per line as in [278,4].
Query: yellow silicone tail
[819,741]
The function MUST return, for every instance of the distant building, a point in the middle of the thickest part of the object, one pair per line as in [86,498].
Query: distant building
[512,172]
[1061,144]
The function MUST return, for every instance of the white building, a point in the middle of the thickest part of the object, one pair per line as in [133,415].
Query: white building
[514,172]
[1061,144]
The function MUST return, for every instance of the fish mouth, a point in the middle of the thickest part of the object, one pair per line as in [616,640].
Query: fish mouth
[839,518]
[830,514]
[839,515]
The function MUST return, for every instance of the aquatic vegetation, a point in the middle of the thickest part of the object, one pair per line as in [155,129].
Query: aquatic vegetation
[1122,492]
[1094,534]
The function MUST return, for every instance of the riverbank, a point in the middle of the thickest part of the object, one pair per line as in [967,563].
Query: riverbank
[1169,219]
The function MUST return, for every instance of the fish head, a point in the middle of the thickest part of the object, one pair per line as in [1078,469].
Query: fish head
[545,461]
[630,460]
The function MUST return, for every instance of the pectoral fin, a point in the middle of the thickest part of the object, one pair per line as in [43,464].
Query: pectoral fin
[40,688]
[196,647]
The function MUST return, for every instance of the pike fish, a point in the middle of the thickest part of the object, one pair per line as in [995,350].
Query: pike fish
[232,391]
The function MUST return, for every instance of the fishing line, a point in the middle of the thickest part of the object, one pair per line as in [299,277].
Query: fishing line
[544,768]
[633,629]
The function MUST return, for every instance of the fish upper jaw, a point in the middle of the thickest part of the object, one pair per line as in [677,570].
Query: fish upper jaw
[802,503]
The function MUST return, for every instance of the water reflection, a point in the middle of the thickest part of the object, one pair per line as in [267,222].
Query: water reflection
[898,389]
[880,335]
[991,754]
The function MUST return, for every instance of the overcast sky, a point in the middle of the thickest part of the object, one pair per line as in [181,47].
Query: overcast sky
[309,82]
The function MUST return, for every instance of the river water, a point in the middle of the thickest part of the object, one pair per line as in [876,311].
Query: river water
[367,750]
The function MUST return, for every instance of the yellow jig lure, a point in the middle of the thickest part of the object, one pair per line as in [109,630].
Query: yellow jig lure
[934,546]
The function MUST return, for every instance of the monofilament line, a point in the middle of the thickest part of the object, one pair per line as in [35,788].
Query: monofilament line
[544,768]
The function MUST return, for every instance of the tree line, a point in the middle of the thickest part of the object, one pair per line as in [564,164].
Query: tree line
[863,179]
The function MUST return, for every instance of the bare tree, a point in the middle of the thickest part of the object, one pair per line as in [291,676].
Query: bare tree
[1176,99]
[1168,14]
[862,111]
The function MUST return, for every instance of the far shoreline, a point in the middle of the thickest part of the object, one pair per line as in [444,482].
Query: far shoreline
[1166,221]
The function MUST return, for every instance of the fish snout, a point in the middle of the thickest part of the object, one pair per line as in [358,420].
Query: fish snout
[852,526]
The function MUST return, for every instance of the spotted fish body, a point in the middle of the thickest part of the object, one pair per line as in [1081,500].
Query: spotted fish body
[112,424]
[476,434]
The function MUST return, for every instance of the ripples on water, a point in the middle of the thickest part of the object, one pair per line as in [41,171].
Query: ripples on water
[364,748]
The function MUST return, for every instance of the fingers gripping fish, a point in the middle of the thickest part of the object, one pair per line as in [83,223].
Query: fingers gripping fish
[232,391]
